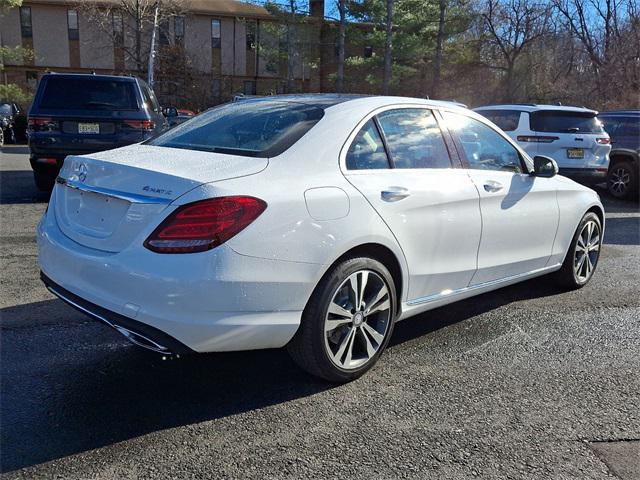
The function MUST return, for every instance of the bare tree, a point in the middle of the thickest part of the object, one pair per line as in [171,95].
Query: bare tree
[513,25]
[388,48]
[342,26]
[128,24]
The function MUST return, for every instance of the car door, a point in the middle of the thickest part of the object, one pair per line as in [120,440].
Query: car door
[520,212]
[399,160]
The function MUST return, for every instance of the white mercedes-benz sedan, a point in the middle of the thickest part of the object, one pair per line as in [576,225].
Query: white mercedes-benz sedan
[313,222]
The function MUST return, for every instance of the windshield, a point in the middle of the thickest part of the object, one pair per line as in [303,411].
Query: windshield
[64,93]
[264,128]
[565,122]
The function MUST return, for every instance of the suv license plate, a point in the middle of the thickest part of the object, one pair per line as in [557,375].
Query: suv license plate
[575,152]
[88,128]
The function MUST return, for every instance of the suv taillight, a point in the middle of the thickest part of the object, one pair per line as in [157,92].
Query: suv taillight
[41,124]
[603,141]
[538,139]
[204,225]
[140,124]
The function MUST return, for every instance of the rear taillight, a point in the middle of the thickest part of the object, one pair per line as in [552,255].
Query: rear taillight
[538,139]
[41,124]
[204,225]
[603,141]
[140,124]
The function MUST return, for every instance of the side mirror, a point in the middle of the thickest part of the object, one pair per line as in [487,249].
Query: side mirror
[545,167]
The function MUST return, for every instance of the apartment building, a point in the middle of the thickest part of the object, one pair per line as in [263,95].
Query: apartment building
[210,48]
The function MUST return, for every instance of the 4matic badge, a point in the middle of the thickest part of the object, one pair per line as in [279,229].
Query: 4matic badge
[160,191]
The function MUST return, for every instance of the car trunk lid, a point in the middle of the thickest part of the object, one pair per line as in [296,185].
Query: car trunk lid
[105,200]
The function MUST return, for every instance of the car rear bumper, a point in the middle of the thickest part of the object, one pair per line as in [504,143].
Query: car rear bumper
[206,302]
[586,176]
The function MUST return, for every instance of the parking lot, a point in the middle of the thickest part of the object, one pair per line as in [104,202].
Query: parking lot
[523,382]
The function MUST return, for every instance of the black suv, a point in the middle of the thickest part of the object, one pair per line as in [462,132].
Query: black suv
[74,114]
[623,127]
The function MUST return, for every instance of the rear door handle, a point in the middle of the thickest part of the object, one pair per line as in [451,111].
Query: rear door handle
[393,194]
[492,187]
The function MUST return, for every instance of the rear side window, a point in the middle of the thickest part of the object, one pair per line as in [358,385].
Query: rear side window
[622,126]
[565,122]
[264,128]
[367,150]
[414,139]
[62,93]
[507,120]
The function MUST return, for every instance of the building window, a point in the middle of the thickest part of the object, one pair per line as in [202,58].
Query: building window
[178,28]
[118,28]
[72,24]
[216,89]
[163,32]
[249,87]
[215,33]
[32,80]
[368,51]
[25,22]
[251,35]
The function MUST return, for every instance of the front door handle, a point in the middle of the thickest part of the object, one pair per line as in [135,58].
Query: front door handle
[393,194]
[492,187]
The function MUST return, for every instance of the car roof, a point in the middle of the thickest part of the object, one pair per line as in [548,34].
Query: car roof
[532,107]
[620,113]
[90,76]
[344,100]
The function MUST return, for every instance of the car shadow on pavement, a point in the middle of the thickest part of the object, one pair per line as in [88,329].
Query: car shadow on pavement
[17,186]
[74,385]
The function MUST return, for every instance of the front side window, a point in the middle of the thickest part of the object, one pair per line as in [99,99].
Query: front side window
[367,150]
[507,120]
[25,22]
[72,24]
[414,139]
[558,121]
[262,128]
[215,33]
[484,148]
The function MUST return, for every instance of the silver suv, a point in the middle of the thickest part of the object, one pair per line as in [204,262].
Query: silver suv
[572,136]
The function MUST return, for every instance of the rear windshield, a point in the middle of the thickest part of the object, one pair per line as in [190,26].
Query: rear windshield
[88,94]
[255,129]
[565,122]
[507,120]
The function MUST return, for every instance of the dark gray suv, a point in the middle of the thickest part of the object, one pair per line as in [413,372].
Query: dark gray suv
[623,126]
[74,114]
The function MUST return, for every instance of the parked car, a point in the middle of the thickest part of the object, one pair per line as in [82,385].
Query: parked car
[10,114]
[572,136]
[74,114]
[177,116]
[623,126]
[313,222]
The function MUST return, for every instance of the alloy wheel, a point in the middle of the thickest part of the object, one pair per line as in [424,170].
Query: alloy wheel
[619,181]
[357,320]
[587,251]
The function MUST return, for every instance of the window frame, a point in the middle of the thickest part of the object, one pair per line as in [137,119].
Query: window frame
[26,31]
[376,125]
[73,33]
[454,157]
[216,41]
[527,166]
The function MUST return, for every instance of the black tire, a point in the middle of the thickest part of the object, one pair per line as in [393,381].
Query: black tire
[308,348]
[622,179]
[567,277]
[44,181]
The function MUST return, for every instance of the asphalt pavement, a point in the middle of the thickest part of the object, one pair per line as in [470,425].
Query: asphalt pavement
[526,382]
